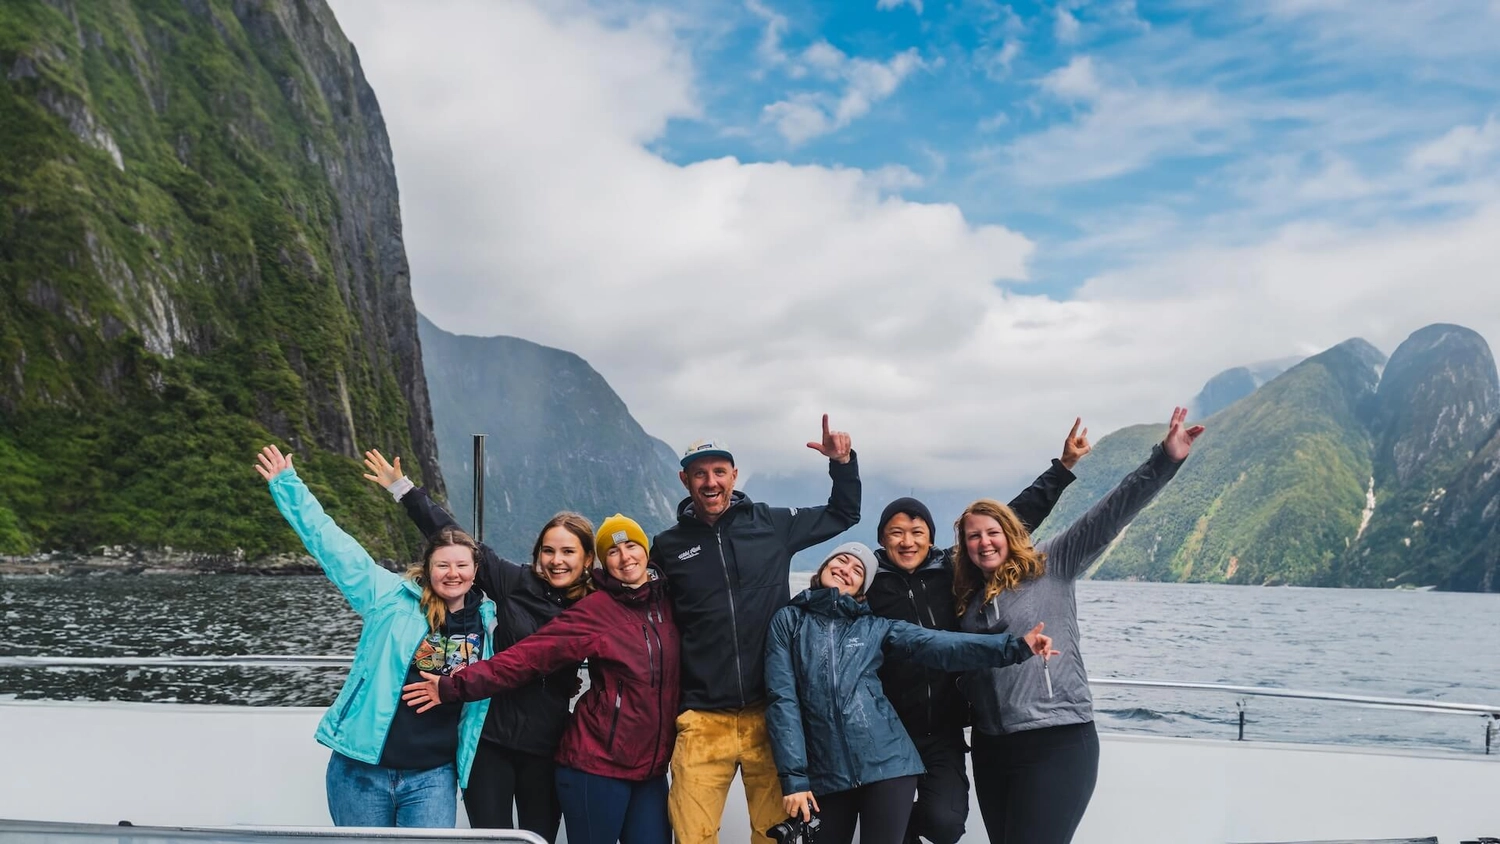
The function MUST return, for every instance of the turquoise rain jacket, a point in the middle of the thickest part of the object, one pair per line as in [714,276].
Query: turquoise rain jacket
[394,627]
[831,726]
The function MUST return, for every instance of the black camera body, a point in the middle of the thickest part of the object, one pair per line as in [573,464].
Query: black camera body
[795,831]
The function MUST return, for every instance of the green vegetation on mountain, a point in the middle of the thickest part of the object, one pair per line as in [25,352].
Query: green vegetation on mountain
[559,438]
[200,252]
[1272,494]
[1464,544]
[1438,400]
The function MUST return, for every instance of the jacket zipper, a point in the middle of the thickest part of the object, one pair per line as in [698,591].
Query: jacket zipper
[927,685]
[343,713]
[833,681]
[734,626]
[614,722]
[657,679]
[917,611]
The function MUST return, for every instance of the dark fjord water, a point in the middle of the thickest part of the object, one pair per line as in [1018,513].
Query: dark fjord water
[1429,645]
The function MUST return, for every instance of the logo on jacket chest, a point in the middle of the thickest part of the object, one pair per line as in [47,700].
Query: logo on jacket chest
[690,553]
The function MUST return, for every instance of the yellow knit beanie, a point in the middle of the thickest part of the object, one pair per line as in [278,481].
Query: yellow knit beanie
[613,531]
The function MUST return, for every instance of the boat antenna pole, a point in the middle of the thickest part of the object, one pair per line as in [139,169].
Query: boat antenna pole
[478,487]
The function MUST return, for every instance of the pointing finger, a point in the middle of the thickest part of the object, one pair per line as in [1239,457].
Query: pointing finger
[825,426]
[1077,420]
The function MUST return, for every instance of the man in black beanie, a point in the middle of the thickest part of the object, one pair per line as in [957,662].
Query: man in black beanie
[914,582]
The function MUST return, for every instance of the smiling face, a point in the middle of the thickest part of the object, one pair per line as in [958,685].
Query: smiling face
[561,558]
[845,573]
[450,572]
[984,541]
[906,541]
[626,562]
[709,482]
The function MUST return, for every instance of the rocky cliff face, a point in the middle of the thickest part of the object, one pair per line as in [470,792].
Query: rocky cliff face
[559,438]
[200,250]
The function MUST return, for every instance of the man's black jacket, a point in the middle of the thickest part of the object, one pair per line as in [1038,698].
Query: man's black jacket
[927,700]
[726,580]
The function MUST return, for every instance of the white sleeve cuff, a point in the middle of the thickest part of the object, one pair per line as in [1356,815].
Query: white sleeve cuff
[400,488]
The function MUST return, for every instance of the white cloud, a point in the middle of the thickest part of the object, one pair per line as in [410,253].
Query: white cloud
[1462,145]
[1118,128]
[770,49]
[804,116]
[885,5]
[1065,27]
[743,300]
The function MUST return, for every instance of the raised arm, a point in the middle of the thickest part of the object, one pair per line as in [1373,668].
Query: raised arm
[804,527]
[784,714]
[566,640]
[494,574]
[348,565]
[1071,552]
[1035,503]
[947,651]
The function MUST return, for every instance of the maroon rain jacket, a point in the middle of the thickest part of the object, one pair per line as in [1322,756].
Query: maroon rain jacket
[625,724]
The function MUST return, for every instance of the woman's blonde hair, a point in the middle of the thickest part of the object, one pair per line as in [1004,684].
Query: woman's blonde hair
[583,530]
[1023,563]
[435,608]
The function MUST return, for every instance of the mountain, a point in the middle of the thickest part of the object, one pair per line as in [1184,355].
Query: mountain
[1273,492]
[1231,385]
[1438,401]
[1465,543]
[200,252]
[559,438]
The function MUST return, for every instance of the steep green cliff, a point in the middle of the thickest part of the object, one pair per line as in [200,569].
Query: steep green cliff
[200,251]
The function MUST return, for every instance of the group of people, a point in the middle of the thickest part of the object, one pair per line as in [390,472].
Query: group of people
[846,703]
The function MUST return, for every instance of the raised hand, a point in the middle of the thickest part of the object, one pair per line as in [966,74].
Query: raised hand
[835,445]
[1076,445]
[423,695]
[381,471]
[1040,645]
[271,462]
[1179,440]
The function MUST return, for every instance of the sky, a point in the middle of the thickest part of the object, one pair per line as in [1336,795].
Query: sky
[952,226]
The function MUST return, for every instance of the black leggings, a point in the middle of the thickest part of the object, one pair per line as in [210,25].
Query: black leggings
[881,808]
[502,776]
[943,792]
[1033,786]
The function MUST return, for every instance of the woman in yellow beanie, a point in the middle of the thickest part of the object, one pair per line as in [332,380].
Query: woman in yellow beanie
[612,763]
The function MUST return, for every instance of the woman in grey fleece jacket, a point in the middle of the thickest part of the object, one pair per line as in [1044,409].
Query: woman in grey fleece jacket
[1035,750]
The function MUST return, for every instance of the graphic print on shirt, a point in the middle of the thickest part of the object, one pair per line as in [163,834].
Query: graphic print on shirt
[439,654]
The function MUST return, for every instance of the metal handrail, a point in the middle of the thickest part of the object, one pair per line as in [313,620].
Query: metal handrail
[1415,704]
[210,661]
[62,830]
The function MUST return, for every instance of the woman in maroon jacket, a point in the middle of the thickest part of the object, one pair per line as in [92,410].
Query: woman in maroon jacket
[612,763]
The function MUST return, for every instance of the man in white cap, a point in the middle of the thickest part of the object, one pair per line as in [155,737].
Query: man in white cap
[727,562]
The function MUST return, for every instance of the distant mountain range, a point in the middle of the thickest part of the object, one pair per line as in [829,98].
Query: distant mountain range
[559,438]
[1344,470]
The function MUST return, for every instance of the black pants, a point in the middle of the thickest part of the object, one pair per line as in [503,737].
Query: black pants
[943,792]
[881,809]
[502,776]
[1033,786]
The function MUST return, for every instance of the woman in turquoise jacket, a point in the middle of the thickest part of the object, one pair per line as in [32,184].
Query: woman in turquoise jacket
[392,766]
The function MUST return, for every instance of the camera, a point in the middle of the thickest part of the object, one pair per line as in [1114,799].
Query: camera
[795,831]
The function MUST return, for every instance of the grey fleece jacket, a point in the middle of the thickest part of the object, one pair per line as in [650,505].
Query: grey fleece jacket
[1014,698]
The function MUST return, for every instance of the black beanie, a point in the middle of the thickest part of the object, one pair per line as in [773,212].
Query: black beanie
[911,507]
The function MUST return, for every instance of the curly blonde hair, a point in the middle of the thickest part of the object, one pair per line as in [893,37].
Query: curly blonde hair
[1023,563]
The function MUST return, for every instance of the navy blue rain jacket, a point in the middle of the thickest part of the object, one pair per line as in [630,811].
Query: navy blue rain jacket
[832,728]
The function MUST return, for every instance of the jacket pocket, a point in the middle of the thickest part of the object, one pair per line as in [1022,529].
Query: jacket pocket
[349,704]
[614,722]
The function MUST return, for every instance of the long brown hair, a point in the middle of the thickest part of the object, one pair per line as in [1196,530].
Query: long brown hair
[583,530]
[435,608]
[1023,563]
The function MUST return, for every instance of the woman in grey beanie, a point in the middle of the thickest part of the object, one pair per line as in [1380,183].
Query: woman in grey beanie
[840,749]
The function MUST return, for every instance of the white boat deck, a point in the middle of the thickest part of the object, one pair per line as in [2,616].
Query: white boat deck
[175,765]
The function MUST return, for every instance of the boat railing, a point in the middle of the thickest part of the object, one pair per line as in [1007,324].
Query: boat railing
[54,832]
[1489,712]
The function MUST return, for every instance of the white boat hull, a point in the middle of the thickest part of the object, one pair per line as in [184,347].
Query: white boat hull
[172,764]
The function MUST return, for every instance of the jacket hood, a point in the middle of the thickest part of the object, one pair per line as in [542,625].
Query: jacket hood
[937,558]
[830,602]
[686,513]
[655,587]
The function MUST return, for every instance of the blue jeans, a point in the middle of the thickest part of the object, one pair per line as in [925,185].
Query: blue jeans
[603,810]
[361,794]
